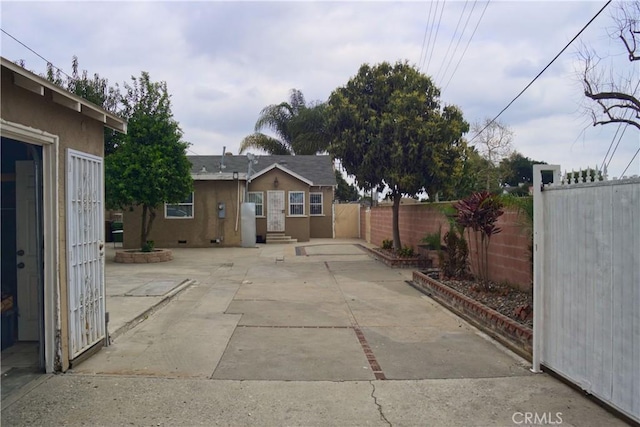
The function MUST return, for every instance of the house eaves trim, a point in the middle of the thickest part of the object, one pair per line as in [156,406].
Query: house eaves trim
[283,169]
[36,84]
[217,176]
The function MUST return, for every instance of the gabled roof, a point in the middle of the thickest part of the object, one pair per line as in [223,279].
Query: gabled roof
[36,84]
[284,169]
[316,169]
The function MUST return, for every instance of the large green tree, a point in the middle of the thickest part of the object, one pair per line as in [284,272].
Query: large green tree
[150,166]
[300,127]
[94,89]
[345,192]
[389,129]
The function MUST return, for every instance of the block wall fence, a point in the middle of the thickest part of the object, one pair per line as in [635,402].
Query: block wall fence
[509,253]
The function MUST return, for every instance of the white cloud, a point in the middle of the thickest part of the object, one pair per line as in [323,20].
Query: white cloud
[224,61]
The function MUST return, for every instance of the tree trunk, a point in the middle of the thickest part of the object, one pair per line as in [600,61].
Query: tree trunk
[145,230]
[397,245]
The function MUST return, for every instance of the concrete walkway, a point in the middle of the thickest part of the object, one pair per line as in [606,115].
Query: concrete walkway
[308,334]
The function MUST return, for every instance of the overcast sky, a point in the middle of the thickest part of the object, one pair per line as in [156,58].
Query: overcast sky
[224,61]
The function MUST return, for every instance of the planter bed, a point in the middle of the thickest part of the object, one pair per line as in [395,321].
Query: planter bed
[517,337]
[394,261]
[138,257]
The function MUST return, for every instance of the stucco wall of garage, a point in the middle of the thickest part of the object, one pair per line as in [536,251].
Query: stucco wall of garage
[74,131]
[196,232]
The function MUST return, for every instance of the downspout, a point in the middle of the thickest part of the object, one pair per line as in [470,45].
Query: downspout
[237,203]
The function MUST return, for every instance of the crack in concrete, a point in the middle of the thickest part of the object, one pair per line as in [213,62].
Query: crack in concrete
[375,400]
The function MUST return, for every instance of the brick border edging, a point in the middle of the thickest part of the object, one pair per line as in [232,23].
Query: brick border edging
[137,257]
[508,332]
[415,262]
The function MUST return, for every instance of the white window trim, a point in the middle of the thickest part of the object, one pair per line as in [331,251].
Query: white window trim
[289,205]
[321,203]
[261,204]
[192,204]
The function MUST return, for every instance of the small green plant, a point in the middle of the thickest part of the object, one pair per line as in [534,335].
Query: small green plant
[387,244]
[433,240]
[148,247]
[454,258]
[406,252]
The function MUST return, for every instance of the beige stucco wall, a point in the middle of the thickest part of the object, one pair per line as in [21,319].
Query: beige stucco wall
[75,131]
[296,227]
[322,225]
[198,231]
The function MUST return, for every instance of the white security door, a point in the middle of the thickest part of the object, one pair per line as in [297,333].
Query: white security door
[26,257]
[85,251]
[275,211]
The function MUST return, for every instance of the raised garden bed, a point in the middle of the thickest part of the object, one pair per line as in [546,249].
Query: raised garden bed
[139,257]
[516,335]
[394,261]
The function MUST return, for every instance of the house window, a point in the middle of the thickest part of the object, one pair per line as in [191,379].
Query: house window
[256,197]
[315,203]
[296,203]
[180,210]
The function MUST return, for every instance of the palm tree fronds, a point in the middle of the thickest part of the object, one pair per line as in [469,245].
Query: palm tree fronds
[265,143]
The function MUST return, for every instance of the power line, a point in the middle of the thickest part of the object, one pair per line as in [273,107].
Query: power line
[455,49]
[543,70]
[426,70]
[616,134]
[616,149]
[430,25]
[426,29]
[467,46]
[453,36]
[634,156]
[37,54]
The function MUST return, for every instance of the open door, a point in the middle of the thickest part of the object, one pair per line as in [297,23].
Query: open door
[28,276]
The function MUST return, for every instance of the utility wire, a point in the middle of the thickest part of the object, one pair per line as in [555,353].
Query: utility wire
[37,54]
[426,70]
[543,70]
[426,29]
[467,46]
[430,23]
[616,148]
[455,49]
[616,134]
[453,36]
[634,156]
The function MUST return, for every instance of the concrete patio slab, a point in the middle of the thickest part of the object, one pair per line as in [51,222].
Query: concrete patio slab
[157,347]
[307,354]
[154,288]
[488,402]
[423,353]
[290,313]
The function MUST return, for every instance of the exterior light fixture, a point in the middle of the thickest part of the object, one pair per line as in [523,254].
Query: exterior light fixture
[275,182]
[235,175]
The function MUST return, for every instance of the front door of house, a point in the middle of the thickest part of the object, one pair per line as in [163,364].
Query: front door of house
[85,251]
[275,211]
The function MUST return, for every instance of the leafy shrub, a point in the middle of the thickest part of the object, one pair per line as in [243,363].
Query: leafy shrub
[453,259]
[148,247]
[406,252]
[433,240]
[480,212]
[387,244]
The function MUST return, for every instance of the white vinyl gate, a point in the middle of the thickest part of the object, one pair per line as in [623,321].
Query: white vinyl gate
[587,285]
[85,251]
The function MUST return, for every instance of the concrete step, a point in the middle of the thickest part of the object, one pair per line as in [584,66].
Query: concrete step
[280,238]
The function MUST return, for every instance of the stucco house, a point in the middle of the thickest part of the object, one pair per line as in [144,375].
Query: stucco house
[293,198]
[52,227]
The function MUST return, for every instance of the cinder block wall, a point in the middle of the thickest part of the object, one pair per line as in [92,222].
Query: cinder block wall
[509,256]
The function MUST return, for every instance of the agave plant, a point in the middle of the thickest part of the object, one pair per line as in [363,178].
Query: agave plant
[480,212]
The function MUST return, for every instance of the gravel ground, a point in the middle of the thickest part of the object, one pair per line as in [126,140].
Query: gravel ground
[502,298]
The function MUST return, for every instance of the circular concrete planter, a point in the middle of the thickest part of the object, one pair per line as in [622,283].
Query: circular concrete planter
[138,257]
